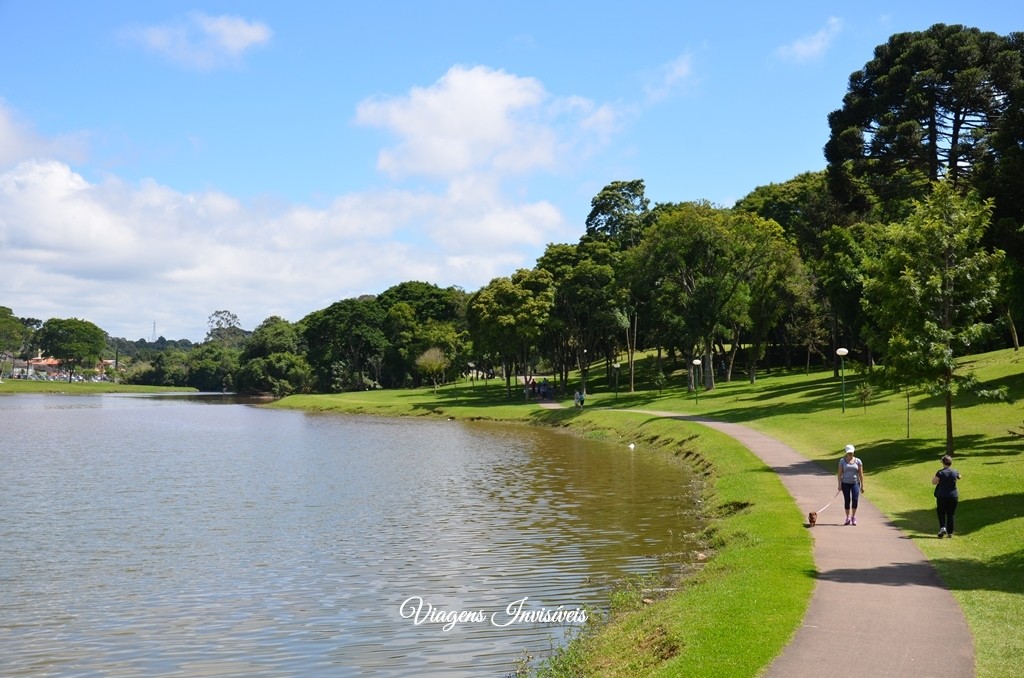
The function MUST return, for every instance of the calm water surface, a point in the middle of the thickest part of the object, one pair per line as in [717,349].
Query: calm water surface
[202,537]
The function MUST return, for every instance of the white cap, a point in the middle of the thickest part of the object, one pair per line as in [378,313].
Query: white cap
[850,449]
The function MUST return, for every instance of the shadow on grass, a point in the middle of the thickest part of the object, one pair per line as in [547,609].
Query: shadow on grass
[883,455]
[971,514]
[814,387]
[1002,573]
[822,392]
[815,395]
[492,395]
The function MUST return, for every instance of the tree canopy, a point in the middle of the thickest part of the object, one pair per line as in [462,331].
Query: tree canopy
[928,291]
[73,342]
[926,107]
[895,250]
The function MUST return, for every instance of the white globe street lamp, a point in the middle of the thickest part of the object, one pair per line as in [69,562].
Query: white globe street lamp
[696,364]
[842,352]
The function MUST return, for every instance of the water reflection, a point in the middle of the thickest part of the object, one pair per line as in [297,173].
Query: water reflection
[157,535]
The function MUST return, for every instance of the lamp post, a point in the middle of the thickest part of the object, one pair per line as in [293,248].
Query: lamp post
[841,352]
[696,386]
[616,366]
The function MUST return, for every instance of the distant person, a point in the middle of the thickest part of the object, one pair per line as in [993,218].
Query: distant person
[576,398]
[583,396]
[946,496]
[851,482]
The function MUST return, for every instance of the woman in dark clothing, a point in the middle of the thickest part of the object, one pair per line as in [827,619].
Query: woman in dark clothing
[946,496]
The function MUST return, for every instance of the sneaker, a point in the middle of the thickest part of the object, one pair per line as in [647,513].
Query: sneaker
[950,535]
[853,520]
[942,532]
[847,522]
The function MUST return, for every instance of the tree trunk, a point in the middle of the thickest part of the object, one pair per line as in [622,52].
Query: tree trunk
[755,351]
[835,344]
[706,363]
[507,369]
[1013,330]
[631,348]
[949,422]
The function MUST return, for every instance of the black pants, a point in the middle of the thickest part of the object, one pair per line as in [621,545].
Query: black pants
[945,508]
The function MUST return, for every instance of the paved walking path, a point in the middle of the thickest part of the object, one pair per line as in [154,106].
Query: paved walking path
[879,609]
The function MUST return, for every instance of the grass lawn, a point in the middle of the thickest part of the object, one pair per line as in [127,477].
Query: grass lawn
[710,622]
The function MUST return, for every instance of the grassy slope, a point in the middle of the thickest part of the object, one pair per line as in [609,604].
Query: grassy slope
[984,565]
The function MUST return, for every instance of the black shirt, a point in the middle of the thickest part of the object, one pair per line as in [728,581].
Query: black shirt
[947,482]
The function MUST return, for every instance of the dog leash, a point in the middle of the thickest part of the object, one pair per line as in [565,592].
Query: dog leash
[830,501]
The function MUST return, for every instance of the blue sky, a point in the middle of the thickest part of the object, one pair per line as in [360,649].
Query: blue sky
[160,161]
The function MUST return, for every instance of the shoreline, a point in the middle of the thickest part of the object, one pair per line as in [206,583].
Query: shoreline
[751,522]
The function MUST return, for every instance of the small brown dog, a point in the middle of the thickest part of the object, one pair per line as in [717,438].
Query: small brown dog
[812,518]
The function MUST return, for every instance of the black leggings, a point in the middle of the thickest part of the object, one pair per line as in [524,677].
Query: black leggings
[945,508]
[851,493]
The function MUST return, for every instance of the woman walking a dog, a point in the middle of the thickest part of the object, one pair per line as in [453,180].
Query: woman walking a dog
[851,481]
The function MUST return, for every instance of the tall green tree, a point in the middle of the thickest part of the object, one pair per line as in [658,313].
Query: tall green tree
[73,342]
[619,213]
[225,329]
[415,312]
[273,361]
[707,258]
[427,300]
[507,318]
[169,367]
[839,272]
[587,299]
[778,284]
[273,335]
[556,342]
[344,339]
[432,363]
[929,291]
[211,367]
[924,108]
[803,206]
[13,335]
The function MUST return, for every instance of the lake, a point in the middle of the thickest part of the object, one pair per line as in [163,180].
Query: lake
[202,536]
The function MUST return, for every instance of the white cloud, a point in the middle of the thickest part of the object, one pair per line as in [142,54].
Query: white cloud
[470,119]
[202,41]
[124,254]
[812,47]
[670,78]
[120,254]
[19,141]
[481,120]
